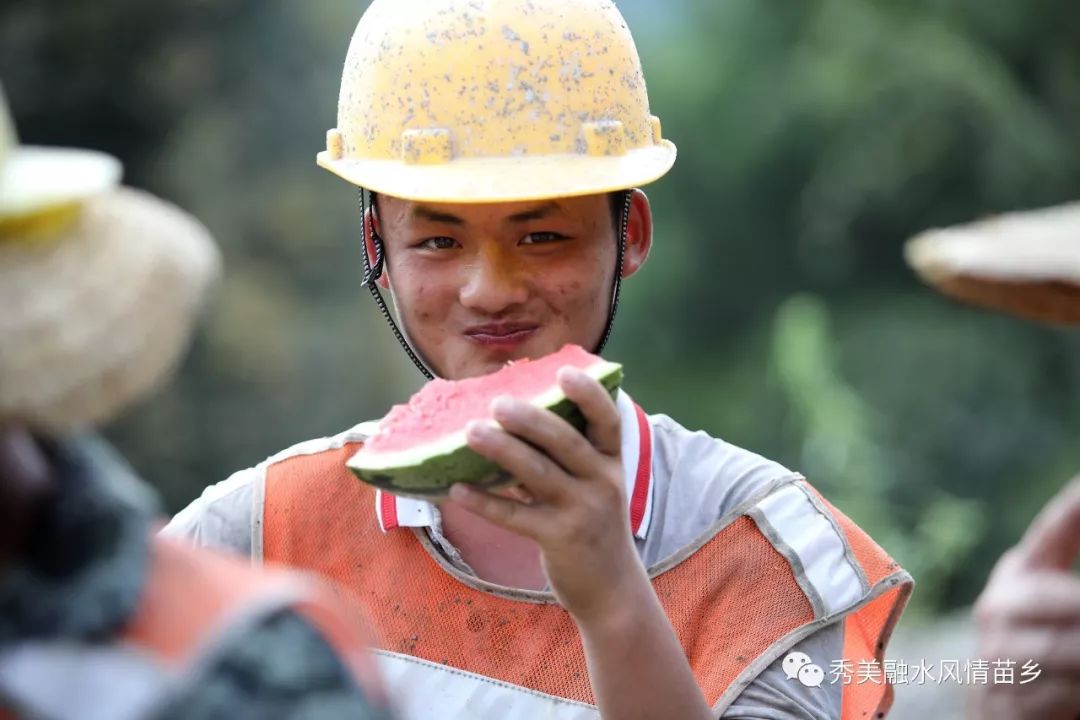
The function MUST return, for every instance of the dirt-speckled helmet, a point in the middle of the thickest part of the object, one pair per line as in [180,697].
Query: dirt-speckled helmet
[494,100]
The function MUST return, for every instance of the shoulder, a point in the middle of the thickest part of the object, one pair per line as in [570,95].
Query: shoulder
[220,517]
[699,479]
[701,482]
[693,459]
[228,514]
[778,695]
[306,459]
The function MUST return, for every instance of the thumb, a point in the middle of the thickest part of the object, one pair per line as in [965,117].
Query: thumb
[1052,541]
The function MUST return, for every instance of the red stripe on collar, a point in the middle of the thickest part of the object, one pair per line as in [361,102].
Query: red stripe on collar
[640,498]
[388,508]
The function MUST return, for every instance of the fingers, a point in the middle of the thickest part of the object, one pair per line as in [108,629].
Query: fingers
[505,512]
[1036,597]
[540,474]
[554,463]
[557,439]
[1056,651]
[551,435]
[515,492]
[601,414]
[1045,698]
[1053,539]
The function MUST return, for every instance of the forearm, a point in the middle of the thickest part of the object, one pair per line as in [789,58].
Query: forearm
[637,667]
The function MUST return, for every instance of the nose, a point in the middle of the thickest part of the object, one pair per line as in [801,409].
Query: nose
[494,282]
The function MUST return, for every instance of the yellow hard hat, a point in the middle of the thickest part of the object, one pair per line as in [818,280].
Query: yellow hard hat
[494,100]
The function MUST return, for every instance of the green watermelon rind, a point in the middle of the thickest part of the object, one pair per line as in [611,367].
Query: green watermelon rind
[428,472]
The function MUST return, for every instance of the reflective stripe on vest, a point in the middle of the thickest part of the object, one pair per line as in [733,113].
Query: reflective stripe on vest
[194,604]
[450,636]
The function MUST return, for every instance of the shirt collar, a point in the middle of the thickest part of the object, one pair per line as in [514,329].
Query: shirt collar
[397,512]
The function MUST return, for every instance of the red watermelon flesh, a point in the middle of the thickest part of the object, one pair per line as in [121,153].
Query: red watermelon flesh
[443,407]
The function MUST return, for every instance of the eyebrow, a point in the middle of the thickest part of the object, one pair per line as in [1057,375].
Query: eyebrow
[538,213]
[430,214]
[424,212]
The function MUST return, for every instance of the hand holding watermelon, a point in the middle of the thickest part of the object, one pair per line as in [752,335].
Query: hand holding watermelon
[521,425]
[576,505]
[568,507]
[576,513]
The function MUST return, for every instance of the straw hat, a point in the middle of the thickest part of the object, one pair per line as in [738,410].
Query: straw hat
[100,286]
[1024,263]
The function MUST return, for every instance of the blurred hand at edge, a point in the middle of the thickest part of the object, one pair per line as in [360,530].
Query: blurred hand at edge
[1030,611]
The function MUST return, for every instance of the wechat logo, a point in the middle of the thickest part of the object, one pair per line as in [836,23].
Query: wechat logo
[797,665]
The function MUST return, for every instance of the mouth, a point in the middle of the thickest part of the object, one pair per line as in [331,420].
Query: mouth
[501,335]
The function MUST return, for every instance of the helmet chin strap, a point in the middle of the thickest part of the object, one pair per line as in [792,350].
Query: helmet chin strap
[622,229]
[372,272]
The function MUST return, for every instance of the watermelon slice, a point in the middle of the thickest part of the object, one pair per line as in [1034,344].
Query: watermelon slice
[420,449]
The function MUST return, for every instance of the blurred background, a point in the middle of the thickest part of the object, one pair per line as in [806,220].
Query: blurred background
[775,312]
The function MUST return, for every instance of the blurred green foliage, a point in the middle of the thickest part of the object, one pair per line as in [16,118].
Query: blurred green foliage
[775,310]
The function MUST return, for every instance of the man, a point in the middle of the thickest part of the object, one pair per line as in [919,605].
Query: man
[645,570]
[99,619]
[1026,264]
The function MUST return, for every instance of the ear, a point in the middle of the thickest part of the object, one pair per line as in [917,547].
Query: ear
[639,229]
[371,225]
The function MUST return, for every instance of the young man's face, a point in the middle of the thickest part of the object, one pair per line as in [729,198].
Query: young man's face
[477,285]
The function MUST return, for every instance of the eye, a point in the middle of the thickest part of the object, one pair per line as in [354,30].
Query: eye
[538,238]
[439,243]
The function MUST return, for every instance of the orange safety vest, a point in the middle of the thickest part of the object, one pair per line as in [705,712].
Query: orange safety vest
[733,599]
[194,602]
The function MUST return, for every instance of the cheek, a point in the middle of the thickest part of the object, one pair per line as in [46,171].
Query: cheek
[423,300]
[431,300]
[422,311]
[570,290]
[578,301]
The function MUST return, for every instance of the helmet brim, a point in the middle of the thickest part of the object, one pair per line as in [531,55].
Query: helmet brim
[506,179]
